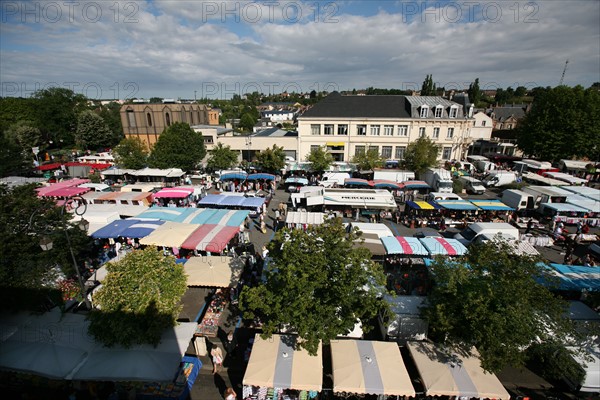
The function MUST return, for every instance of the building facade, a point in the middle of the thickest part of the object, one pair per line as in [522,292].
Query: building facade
[147,121]
[347,125]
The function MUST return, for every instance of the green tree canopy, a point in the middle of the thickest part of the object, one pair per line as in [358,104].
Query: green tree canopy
[474,92]
[421,154]
[111,113]
[16,109]
[139,299]
[56,112]
[131,153]
[178,147]
[491,299]
[222,157]
[317,284]
[320,159]
[428,87]
[12,158]
[24,267]
[368,160]
[92,132]
[247,122]
[563,123]
[25,134]
[271,159]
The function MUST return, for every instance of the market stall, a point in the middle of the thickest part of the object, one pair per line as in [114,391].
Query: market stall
[278,370]
[179,388]
[457,212]
[493,208]
[125,211]
[301,219]
[421,214]
[140,229]
[64,184]
[369,367]
[385,184]
[442,246]
[96,219]
[357,183]
[404,246]
[213,271]
[371,242]
[170,234]
[209,325]
[451,374]
[175,214]
[210,238]
[405,266]
[575,277]
[212,216]
[261,176]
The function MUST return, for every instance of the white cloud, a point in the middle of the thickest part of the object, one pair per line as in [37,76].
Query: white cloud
[174,49]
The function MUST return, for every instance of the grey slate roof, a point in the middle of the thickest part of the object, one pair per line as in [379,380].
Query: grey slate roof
[275,132]
[338,106]
[503,113]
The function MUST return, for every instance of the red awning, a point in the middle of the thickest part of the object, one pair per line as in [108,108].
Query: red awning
[213,238]
[48,167]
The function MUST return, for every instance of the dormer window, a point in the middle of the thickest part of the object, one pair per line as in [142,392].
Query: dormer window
[453,111]
[438,111]
[424,111]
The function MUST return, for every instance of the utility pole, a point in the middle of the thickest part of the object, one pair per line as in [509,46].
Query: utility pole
[562,78]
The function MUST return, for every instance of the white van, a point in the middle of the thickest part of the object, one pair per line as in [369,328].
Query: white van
[472,185]
[487,229]
[334,178]
[434,196]
[499,178]
[518,199]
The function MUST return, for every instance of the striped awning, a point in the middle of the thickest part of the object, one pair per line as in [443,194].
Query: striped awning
[276,363]
[423,205]
[213,238]
[404,245]
[443,246]
[491,205]
[170,234]
[460,205]
[369,367]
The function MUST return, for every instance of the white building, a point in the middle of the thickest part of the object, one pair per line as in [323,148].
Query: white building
[347,125]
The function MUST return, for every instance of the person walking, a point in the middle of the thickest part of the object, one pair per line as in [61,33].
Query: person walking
[217,358]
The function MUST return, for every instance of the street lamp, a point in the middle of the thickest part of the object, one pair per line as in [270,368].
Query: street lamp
[46,242]
[248,144]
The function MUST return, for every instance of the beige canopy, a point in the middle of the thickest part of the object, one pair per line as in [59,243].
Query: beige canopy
[454,375]
[274,363]
[303,217]
[214,271]
[170,234]
[369,367]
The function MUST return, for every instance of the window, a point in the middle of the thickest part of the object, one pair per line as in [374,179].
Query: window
[388,130]
[509,126]
[328,130]
[386,152]
[422,132]
[483,123]
[446,153]
[359,150]
[168,119]
[438,111]
[361,130]
[374,148]
[342,129]
[436,133]
[314,147]
[149,119]
[375,130]
[450,133]
[424,111]
[402,130]
[453,111]
[315,129]
[400,150]
[131,118]
[208,140]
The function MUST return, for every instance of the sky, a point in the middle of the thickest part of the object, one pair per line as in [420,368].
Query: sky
[108,49]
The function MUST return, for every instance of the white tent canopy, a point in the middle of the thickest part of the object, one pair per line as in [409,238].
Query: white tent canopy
[58,346]
[369,367]
[454,375]
[304,217]
[213,271]
[275,363]
[170,234]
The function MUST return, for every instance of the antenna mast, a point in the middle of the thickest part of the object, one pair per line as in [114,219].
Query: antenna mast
[562,78]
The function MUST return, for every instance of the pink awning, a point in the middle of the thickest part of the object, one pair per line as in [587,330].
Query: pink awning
[213,238]
[68,183]
[66,192]
[174,193]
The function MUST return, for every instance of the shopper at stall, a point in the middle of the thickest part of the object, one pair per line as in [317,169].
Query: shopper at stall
[217,358]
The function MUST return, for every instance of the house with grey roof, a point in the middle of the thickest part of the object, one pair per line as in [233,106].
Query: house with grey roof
[507,116]
[348,125]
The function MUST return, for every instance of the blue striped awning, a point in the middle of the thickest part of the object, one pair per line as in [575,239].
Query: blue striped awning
[492,205]
[460,205]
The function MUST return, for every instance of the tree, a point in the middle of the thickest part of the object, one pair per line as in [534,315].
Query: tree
[111,113]
[25,134]
[271,159]
[56,113]
[520,91]
[27,273]
[12,158]
[563,123]
[421,154]
[491,299]
[368,160]
[16,109]
[92,132]
[222,157]
[178,147]
[317,284]
[428,88]
[320,159]
[139,299]
[247,122]
[131,153]
[474,92]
